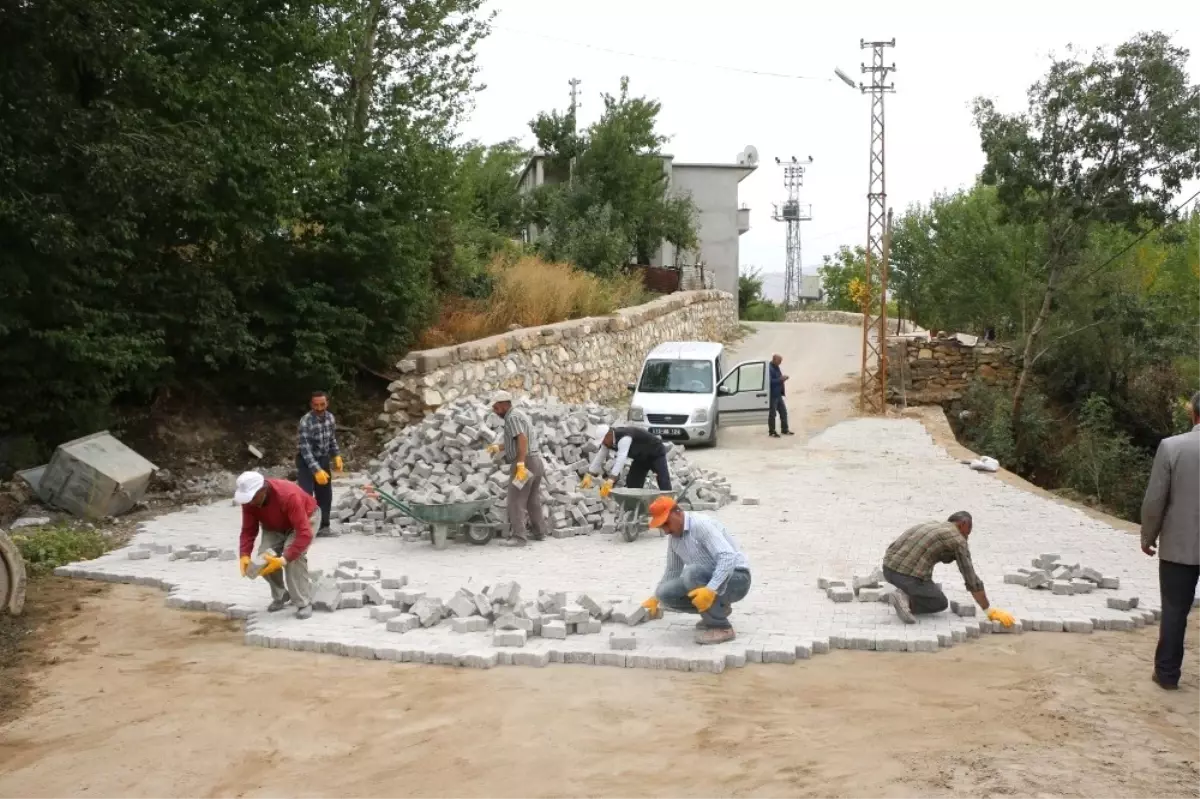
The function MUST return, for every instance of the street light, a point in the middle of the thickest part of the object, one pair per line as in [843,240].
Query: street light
[845,78]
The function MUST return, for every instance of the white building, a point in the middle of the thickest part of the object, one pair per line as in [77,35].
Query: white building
[720,219]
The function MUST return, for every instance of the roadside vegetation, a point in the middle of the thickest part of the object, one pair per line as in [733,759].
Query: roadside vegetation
[45,548]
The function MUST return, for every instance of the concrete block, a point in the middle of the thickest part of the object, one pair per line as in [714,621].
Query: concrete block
[1038,579]
[1017,627]
[840,594]
[480,660]
[630,613]
[581,658]
[824,583]
[350,601]
[1078,625]
[384,613]
[226,555]
[462,606]
[403,623]
[589,627]
[872,580]
[1091,575]
[181,554]
[393,583]
[1062,587]
[1110,582]
[507,592]
[195,557]
[735,660]
[429,610]
[409,596]
[926,643]
[574,614]
[471,624]
[890,643]
[803,652]
[326,596]
[554,629]
[1050,557]
[622,640]
[618,659]
[528,658]
[1081,586]
[144,554]
[1121,603]
[510,621]
[344,573]
[590,605]
[820,646]
[373,596]
[958,636]
[1016,578]
[870,594]
[749,500]
[962,608]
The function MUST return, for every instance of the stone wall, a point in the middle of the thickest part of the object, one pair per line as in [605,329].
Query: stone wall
[847,318]
[923,371]
[581,360]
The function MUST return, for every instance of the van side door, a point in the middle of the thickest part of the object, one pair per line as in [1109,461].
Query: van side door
[743,395]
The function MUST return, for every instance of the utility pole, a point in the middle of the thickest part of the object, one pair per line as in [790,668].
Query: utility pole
[792,213]
[873,387]
[574,84]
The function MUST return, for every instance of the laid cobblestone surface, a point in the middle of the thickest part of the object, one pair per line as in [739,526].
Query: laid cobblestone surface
[828,509]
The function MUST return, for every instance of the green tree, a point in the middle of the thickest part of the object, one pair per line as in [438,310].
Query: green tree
[1106,139]
[836,273]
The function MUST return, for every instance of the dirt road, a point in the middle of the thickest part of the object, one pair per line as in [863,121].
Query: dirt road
[134,699]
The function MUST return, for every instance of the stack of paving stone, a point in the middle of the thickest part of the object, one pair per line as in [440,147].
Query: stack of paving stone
[443,459]
[1049,574]
[864,588]
[190,552]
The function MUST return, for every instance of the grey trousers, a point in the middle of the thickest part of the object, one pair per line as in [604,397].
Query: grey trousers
[674,594]
[525,503]
[924,596]
[294,580]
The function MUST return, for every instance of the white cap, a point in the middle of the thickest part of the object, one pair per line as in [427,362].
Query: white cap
[601,432]
[501,396]
[248,484]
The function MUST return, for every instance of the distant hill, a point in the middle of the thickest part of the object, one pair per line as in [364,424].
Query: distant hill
[772,283]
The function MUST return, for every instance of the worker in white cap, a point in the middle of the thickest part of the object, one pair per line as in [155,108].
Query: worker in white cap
[520,445]
[286,515]
[643,451]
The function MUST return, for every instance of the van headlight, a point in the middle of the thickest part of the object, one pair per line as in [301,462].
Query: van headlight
[700,415]
[636,414]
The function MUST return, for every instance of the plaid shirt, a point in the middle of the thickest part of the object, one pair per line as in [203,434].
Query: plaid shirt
[318,438]
[920,548]
[515,423]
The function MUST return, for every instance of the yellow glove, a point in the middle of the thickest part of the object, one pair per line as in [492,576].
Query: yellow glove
[338,463]
[651,605]
[274,564]
[244,563]
[606,489]
[492,449]
[520,473]
[586,482]
[1001,616]
[322,477]
[702,597]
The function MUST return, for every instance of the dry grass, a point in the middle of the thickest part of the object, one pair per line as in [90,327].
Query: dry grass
[529,292]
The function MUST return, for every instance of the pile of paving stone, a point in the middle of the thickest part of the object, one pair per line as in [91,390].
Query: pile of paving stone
[443,459]
[1049,574]
[498,608]
[864,588]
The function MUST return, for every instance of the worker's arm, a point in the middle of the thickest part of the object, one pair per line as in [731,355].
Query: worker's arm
[522,447]
[298,520]
[1154,503]
[719,548]
[249,531]
[597,464]
[970,578]
[622,456]
[306,451]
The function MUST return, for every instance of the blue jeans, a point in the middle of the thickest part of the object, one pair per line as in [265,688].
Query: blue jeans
[673,593]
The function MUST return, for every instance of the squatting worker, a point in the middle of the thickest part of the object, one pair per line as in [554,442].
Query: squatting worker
[286,515]
[318,454]
[644,451]
[909,562]
[1171,526]
[777,404]
[525,489]
[706,571]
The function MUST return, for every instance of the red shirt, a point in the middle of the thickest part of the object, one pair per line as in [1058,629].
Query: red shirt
[287,508]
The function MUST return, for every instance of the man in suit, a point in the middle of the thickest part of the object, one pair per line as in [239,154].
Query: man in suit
[777,405]
[1171,523]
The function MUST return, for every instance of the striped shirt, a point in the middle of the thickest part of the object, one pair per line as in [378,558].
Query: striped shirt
[515,423]
[318,438]
[706,544]
[922,547]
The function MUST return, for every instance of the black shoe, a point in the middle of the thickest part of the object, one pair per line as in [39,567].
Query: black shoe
[279,604]
[773,434]
[1166,686]
[788,433]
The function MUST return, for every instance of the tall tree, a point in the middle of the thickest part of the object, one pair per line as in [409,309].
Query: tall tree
[1106,139]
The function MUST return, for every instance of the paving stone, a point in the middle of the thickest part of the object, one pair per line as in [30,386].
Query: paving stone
[350,601]
[870,594]
[1121,603]
[962,608]
[140,554]
[554,629]
[580,658]
[1110,582]
[1016,578]
[1078,625]
[840,594]
[373,596]
[573,614]
[622,640]
[471,624]
[429,610]
[1081,586]
[734,660]
[508,638]
[384,613]
[403,623]
[630,613]
[462,606]
[589,627]
[590,605]
[510,621]
[820,646]
[611,659]
[530,658]
[392,583]
[803,651]
[195,557]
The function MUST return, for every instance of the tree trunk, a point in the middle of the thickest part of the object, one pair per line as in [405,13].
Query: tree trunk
[1027,354]
[362,82]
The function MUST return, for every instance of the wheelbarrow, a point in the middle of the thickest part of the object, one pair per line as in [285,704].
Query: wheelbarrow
[445,518]
[635,507]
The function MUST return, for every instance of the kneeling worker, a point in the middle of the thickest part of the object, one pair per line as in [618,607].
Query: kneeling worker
[287,515]
[644,451]
[909,562]
[706,572]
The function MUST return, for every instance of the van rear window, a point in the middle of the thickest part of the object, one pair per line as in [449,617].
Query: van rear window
[677,377]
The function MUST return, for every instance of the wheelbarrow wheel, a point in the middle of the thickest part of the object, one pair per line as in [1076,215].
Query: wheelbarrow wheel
[480,534]
[630,526]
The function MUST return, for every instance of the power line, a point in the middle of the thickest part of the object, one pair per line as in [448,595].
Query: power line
[664,59]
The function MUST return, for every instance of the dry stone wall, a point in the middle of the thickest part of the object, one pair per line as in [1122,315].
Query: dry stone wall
[848,318]
[924,371]
[577,361]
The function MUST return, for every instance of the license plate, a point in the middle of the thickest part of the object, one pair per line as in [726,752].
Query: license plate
[667,431]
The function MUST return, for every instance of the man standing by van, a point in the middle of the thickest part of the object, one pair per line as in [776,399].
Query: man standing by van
[777,405]
[644,452]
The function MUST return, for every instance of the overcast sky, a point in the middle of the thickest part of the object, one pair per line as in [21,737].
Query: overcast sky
[686,55]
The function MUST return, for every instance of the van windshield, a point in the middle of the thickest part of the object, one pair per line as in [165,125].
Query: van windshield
[677,377]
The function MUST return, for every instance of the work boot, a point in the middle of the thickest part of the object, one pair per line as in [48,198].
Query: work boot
[899,601]
[715,635]
[326,532]
[516,542]
[773,434]
[788,433]
[1166,686]
[304,612]
[279,604]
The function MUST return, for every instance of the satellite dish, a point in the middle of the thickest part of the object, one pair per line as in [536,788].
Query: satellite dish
[749,156]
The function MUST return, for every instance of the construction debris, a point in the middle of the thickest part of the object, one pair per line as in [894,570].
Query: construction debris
[442,459]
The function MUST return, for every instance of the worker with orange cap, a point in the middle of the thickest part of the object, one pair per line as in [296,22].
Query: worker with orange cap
[706,570]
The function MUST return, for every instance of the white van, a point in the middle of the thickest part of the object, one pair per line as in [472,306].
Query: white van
[685,393]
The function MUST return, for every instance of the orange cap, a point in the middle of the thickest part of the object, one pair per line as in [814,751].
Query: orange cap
[660,509]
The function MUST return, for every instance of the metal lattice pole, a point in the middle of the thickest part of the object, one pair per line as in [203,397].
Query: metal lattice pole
[873,387]
[792,213]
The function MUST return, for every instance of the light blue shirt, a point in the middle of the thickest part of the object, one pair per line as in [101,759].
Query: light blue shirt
[705,543]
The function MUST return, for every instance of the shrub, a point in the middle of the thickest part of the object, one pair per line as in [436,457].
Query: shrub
[1103,463]
[987,428]
[764,311]
[44,549]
